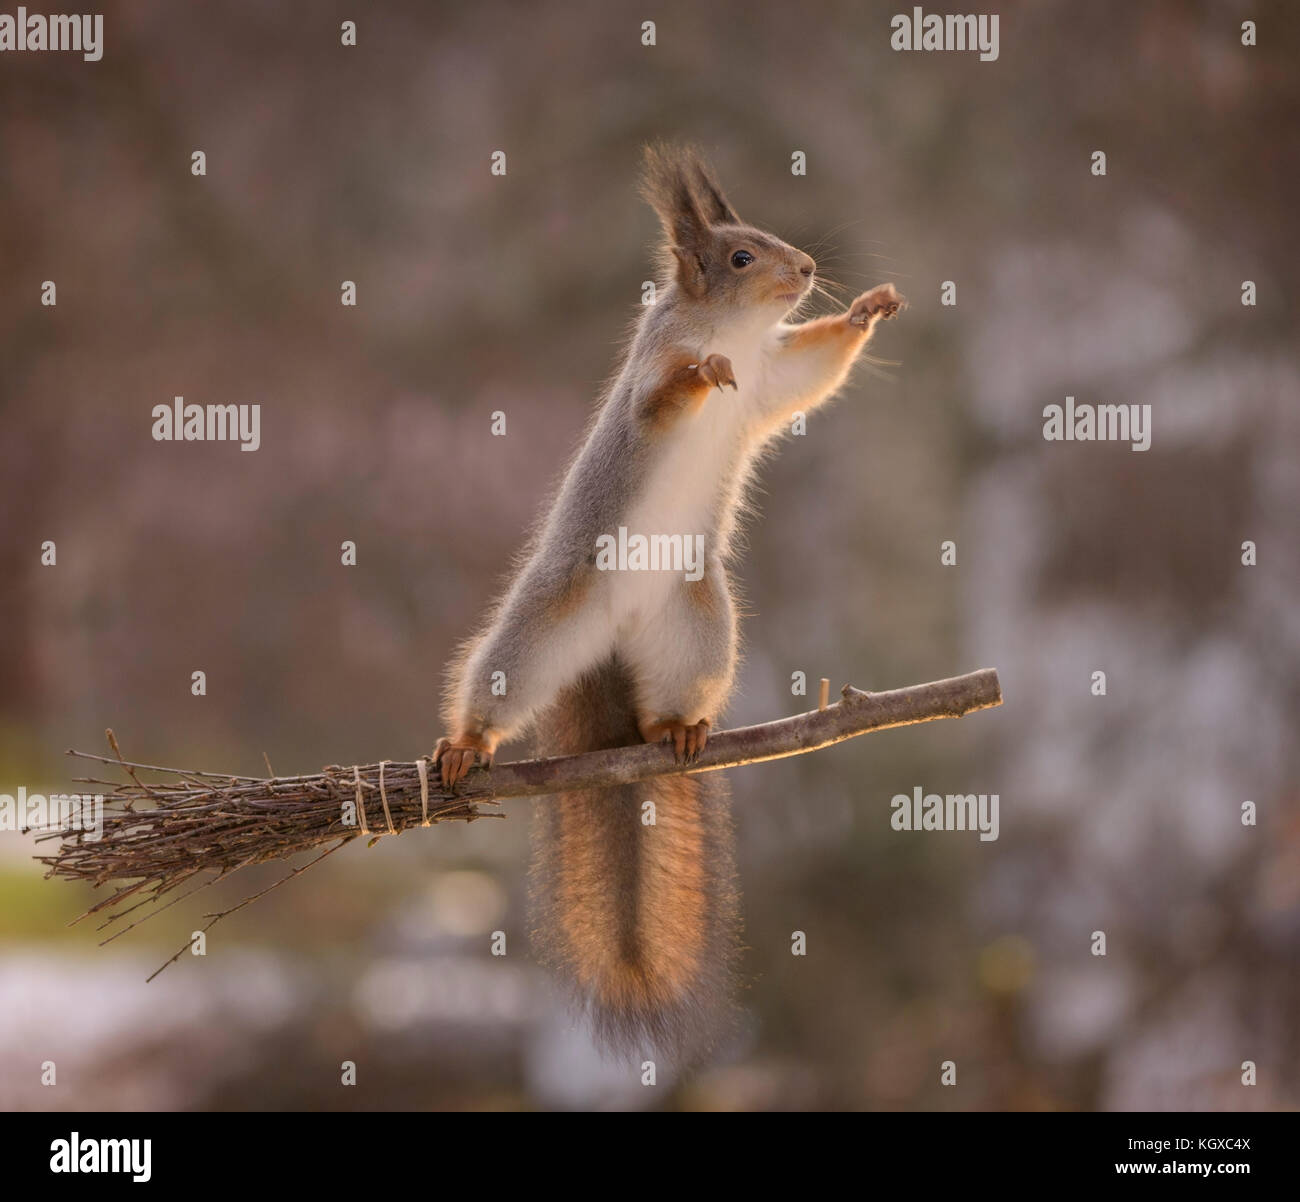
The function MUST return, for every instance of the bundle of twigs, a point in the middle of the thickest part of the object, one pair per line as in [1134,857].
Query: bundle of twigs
[164,828]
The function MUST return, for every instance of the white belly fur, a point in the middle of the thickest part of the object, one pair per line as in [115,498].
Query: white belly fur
[681,496]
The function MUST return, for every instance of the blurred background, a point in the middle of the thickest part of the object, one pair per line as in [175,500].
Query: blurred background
[1119,813]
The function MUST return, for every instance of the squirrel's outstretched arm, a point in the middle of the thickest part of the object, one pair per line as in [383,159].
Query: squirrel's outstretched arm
[813,360]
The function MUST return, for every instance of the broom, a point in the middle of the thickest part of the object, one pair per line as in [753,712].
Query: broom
[167,828]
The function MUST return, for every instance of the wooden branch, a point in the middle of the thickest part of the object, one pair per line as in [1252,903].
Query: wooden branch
[856,713]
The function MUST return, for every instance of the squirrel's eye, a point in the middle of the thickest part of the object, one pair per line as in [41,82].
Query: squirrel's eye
[742,258]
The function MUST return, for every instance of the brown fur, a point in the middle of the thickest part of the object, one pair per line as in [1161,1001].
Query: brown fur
[702,595]
[827,331]
[643,920]
[682,392]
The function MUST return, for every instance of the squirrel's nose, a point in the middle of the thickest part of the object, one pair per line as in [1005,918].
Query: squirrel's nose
[808,266]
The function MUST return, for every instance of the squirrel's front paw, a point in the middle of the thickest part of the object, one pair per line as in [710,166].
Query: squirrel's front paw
[882,301]
[715,371]
[688,739]
[455,757]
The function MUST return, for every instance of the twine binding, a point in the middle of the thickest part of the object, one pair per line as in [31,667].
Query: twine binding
[383,796]
[422,766]
[361,805]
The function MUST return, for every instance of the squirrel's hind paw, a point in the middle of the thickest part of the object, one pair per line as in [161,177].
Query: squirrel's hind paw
[688,739]
[455,757]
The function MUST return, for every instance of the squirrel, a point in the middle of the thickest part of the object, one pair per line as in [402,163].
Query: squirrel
[636,904]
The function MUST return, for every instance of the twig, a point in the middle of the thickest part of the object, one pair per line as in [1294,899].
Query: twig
[856,713]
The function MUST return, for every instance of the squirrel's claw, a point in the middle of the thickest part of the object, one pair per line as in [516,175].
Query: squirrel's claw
[455,759]
[716,370]
[883,301]
[687,739]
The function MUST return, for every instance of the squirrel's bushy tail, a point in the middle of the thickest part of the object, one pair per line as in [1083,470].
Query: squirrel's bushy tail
[641,918]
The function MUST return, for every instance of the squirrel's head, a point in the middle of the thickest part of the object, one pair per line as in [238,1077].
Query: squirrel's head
[713,255]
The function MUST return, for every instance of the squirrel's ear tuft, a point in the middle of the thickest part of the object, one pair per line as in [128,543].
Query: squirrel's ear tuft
[669,182]
[717,208]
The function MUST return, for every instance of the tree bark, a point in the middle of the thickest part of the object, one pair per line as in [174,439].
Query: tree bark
[856,713]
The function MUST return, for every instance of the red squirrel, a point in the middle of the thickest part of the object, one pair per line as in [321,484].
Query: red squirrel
[636,904]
